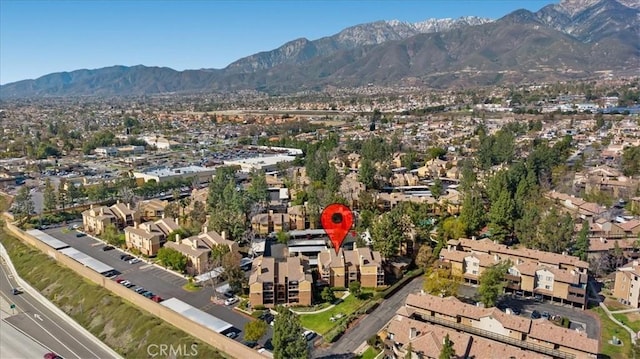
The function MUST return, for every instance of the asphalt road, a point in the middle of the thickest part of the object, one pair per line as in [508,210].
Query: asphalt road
[161,282]
[370,324]
[42,324]
[15,344]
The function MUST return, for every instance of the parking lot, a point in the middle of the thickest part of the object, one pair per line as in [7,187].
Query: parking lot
[580,319]
[156,279]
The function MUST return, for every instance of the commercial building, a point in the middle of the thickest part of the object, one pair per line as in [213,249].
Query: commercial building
[556,277]
[164,174]
[275,281]
[265,163]
[346,266]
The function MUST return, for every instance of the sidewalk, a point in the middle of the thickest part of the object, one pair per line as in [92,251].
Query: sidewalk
[344,296]
[609,314]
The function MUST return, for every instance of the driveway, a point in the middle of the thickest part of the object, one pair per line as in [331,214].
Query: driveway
[158,280]
[370,324]
[580,319]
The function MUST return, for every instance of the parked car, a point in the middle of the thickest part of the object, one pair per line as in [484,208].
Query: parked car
[139,289]
[16,291]
[134,260]
[231,301]
[119,280]
[232,335]
[52,356]
[126,257]
[80,234]
[157,298]
[107,248]
[535,315]
[308,334]
[546,315]
[125,282]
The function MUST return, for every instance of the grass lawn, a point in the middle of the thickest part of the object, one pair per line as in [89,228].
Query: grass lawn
[320,322]
[631,320]
[608,330]
[614,305]
[370,353]
[123,327]
[191,287]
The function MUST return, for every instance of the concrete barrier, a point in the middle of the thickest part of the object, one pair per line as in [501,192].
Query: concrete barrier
[221,342]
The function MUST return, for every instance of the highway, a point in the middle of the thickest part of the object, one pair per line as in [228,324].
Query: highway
[41,325]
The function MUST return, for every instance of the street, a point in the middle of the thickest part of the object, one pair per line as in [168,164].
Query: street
[370,324]
[43,325]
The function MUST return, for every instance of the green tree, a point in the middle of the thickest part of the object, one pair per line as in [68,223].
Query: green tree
[581,246]
[288,342]
[492,283]
[441,282]
[355,288]
[447,351]
[425,258]
[366,173]
[472,213]
[328,295]
[50,200]
[172,259]
[436,188]
[388,233]
[555,232]
[255,330]
[112,236]
[258,189]
[501,216]
[282,237]
[63,196]
[23,205]
[233,273]
[435,152]
[453,228]
[631,161]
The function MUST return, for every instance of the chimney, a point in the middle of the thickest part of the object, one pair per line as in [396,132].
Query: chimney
[135,224]
[177,238]
[91,206]
[117,201]
[177,221]
[412,333]
[128,205]
[194,243]
[496,257]
[223,234]
[473,238]
[635,263]
[361,260]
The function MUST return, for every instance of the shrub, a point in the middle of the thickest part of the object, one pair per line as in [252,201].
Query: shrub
[257,313]
[259,307]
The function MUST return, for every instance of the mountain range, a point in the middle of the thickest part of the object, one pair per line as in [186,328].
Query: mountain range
[570,40]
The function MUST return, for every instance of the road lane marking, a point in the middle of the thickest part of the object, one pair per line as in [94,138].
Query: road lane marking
[24,298]
[37,316]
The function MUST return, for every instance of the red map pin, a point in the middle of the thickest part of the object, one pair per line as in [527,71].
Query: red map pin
[336,220]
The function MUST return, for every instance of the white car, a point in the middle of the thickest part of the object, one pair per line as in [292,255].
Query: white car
[232,335]
[134,260]
[231,301]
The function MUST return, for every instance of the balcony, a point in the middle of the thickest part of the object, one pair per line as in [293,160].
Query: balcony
[579,291]
[512,278]
[576,299]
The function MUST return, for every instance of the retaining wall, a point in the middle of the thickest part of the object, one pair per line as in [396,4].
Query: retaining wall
[221,342]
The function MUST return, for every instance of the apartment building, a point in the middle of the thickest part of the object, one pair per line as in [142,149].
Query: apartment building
[265,223]
[627,284]
[494,333]
[96,219]
[556,277]
[148,237]
[197,249]
[275,281]
[152,209]
[346,266]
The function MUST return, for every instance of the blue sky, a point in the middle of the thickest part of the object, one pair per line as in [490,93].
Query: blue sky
[38,37]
